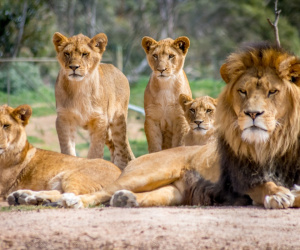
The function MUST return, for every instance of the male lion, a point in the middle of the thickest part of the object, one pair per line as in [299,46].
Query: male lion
[93,96]
[256,153]
[23,166]
[165,125]
[200,115]
[258,129]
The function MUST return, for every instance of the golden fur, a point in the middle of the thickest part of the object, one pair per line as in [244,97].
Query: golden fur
[165,125]
[23,166]
[93,96]
[200,115]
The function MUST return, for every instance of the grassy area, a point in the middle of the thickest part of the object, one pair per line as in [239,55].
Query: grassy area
[42,100]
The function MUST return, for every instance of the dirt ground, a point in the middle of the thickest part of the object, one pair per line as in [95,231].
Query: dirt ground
[151,228]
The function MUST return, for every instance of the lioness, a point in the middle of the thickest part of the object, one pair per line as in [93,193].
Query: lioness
[200,115]
[93,96]
[165,125]
[23,166]
[256,153]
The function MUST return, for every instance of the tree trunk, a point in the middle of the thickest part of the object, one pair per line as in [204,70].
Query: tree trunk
[21,30]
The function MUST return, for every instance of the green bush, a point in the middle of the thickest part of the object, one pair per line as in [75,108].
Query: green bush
[20,77]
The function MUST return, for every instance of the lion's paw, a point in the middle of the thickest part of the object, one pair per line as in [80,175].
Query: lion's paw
[279,200]
[25,197]
[70,200]
[296,190]
[123,198]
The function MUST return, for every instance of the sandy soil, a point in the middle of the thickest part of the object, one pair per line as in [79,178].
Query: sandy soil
[151,228]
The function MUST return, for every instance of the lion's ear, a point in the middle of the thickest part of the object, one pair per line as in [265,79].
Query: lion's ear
[147,42]
[184,100]
[289,69]
[224,73]
[215,102]
[22,114]
[182,43]
[295,74]
[58,40]
[99,42]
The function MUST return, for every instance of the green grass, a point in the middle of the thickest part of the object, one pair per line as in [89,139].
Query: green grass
[42,100]
[206,87]
[34,139]
[138,148]
[24,208]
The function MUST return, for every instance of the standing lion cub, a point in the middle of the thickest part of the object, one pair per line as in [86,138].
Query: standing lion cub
[165,124]
[93,96]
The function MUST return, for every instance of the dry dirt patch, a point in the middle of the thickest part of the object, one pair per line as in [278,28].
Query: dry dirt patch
[151,228]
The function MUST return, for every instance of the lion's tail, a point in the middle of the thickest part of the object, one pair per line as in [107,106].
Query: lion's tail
[199,191]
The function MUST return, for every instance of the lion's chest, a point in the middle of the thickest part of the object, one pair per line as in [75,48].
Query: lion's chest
[163,109]
[80,109]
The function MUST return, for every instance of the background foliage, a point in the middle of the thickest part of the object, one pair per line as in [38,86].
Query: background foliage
[215,28]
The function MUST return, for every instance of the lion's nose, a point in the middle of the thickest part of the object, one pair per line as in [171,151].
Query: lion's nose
[253,114]
[162,70]
[74,67]
[198,122]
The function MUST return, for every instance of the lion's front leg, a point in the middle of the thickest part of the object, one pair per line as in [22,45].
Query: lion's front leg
[180,130]
[122,153]
[272,196]
[29,197]
[154,135]
[165,196]
[66,135]
[98,133]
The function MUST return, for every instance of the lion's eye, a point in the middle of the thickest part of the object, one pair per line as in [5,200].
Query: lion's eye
[208,110]
[6,126]
[85,54]
[272,92]
[242,92]
[171,56]
[192,110]
[67,54]
[155,56]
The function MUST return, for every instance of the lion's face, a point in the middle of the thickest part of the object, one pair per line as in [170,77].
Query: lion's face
[199,112]
[12,127]
[258,110]
[79,55]
[166,57]
[259,104]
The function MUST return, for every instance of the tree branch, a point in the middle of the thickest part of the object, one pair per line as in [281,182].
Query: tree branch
[274,25]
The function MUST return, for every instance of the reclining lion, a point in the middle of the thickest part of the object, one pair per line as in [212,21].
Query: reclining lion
[22,166]
[256,154]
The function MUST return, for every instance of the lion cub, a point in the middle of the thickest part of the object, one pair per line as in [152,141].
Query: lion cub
[93,96]
[165,124]
[200,115]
